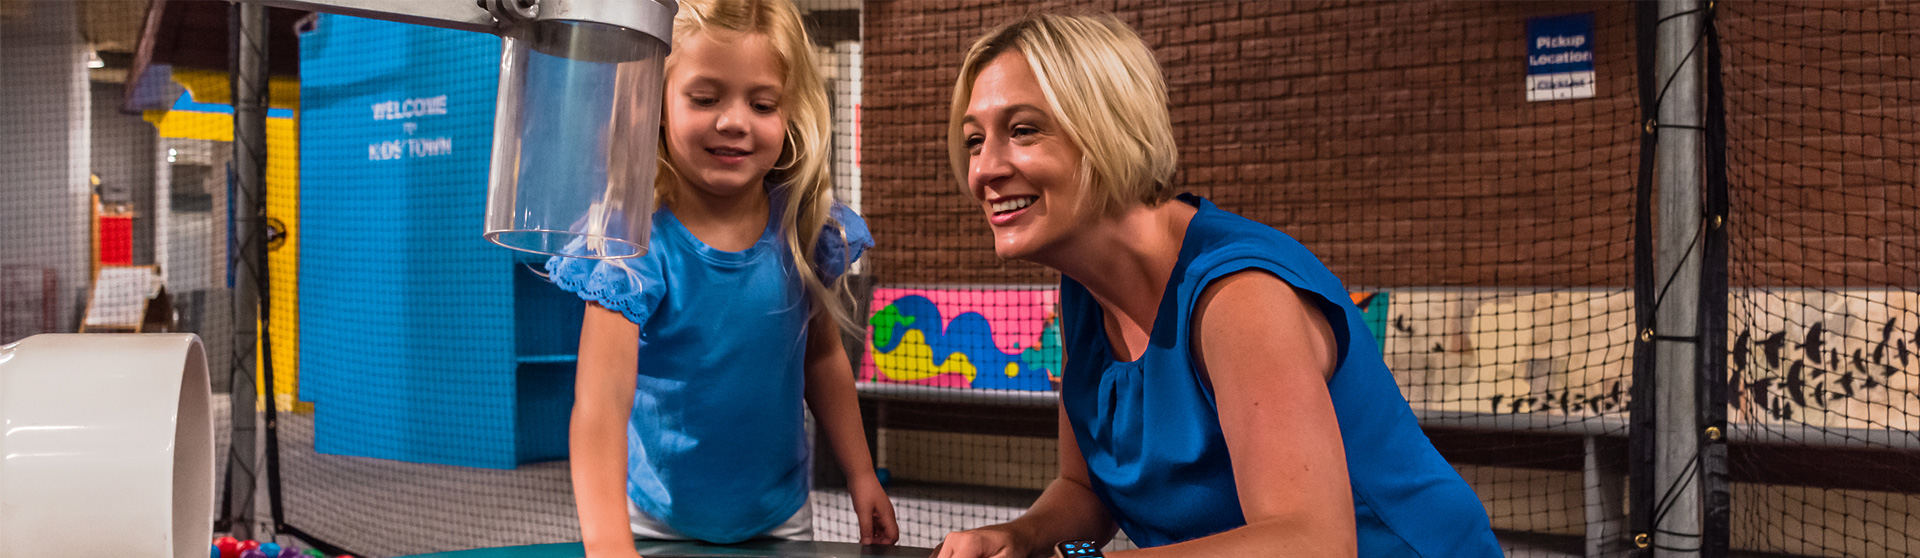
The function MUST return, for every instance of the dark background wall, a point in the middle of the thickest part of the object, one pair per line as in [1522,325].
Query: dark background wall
[1394,139]
[1823,151]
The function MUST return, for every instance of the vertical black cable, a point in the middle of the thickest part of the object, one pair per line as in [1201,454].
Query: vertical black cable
[1640,433]
[1717,500]
[251,99]
[245,207]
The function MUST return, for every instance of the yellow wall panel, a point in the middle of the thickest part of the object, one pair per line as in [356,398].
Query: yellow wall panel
[215,87]
[283,260]
[283,210]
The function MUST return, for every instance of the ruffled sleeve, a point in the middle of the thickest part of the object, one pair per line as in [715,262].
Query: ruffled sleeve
[631,286]
[842,241]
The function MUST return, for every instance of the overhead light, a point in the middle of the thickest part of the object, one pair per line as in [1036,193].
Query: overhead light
[93,59]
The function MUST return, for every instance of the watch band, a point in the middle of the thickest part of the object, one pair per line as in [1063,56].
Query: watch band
[1078,549]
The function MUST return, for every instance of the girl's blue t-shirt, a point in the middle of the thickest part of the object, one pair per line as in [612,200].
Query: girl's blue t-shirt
[1150,431]
[716,444]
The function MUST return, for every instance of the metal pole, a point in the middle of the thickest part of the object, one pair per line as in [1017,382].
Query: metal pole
[249,262]
[1677,172]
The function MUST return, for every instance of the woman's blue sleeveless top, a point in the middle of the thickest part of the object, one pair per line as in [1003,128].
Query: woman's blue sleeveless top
[1151,434]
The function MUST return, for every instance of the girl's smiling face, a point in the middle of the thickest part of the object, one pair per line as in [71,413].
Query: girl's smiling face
[1021,166]
[724,123]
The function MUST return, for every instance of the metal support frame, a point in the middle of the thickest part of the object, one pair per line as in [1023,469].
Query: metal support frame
[248,263]
[1676,525]
[500,17]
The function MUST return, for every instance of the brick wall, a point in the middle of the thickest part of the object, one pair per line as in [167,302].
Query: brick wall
[1393,138]
[1824,140]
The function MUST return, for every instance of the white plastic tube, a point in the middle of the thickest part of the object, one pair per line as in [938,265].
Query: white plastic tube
[106,446]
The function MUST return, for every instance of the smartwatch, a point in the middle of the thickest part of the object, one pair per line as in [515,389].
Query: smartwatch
[1077,549]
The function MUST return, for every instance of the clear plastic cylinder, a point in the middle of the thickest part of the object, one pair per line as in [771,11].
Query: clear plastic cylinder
[575,140]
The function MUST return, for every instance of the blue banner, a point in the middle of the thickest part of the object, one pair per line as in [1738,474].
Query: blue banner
[1560,57]
[407,315]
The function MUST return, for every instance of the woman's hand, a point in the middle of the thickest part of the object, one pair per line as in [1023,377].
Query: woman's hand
[1067,510]
[993,541]
[870,503]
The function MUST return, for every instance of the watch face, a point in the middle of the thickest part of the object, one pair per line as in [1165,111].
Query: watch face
[1079,549]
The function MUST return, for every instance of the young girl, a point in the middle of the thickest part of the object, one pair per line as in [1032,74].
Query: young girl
[688,421]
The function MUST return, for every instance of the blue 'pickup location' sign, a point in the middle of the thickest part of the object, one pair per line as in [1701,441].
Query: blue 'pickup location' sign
[1560,57]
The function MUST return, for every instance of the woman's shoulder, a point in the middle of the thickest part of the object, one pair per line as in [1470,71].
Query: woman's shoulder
[1219,238]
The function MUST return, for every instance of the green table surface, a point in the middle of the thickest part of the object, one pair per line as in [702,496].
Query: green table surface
[675,549]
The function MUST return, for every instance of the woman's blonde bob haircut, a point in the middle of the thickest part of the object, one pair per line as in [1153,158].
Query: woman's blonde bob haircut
[1105,90]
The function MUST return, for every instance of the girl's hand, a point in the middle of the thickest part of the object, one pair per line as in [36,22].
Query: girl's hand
[993,541]
[870,503]
[617,552]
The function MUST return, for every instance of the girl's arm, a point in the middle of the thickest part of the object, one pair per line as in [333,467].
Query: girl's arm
[1268,354]
[836,412]
[602,404]
[1067,510]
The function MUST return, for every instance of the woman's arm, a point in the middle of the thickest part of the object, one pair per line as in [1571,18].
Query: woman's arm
[602,404]
[1268,353]
[836,412]
[1067,510]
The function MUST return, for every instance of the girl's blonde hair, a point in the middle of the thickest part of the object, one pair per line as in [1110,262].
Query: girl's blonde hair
[1104,88]
[802,169]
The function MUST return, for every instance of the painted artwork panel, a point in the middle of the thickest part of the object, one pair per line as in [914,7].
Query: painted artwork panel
[1505,351]
[1841,359]
[1837,359]
[988,338]
[964,338]
[1847,358]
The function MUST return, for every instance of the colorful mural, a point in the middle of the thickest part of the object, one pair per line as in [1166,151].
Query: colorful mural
[996,339]
[1822,358]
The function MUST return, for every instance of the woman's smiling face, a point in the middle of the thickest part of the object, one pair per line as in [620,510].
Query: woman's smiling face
[1021,166]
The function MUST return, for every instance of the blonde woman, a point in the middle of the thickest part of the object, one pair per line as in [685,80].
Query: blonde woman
[1221,395]
[696,358]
